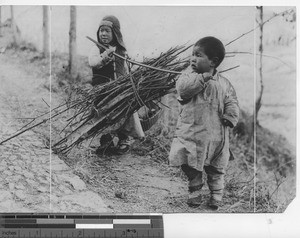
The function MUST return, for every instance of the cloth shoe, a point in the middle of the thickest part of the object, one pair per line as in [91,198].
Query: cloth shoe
[106,145]
[124,145]
[215,201]
[196,183]
[195,199]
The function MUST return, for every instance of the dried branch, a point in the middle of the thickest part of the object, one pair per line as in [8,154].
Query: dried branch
[275,15]
[229,69]
[97,109]
[21,132]
[45,102]
[135,62]
[264,55]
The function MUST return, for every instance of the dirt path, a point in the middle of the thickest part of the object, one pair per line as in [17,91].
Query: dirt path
[27,181]
[35,180]
[131,183]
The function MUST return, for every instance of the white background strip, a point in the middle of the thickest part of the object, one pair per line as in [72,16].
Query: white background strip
[94,226]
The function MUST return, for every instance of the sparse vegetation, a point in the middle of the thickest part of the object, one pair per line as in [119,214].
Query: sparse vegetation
[270,191]
[270,157]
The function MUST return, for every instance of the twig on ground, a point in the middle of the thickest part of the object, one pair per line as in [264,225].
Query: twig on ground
[45,102]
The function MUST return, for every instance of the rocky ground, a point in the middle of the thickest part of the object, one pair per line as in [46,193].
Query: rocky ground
[32,179]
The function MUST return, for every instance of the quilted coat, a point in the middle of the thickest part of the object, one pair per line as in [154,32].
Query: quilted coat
[201,138]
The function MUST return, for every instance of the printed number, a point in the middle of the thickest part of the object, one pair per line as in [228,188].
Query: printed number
[79,234]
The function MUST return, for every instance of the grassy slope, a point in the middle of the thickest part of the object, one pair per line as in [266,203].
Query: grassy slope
[275,167]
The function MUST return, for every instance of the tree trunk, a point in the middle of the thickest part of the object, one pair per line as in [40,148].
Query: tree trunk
[14,27]
[0,22]
[260,63]
[46,30]
[72,44]
[259,79]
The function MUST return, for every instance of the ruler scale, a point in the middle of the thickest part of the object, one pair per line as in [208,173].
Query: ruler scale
[56,225]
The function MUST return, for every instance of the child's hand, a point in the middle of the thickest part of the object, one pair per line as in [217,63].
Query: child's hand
[111,50]
[206,76]
[107,55]
[182,101]
[227,123]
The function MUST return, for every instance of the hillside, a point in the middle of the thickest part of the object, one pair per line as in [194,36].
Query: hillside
[142,181]
[262,178]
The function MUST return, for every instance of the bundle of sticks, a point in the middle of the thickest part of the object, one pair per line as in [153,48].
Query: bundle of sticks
[109,105]
[95,110]
[114,102]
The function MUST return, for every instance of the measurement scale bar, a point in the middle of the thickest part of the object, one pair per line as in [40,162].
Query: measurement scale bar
[94,226]
[55,221]
[132,221]
[81,226]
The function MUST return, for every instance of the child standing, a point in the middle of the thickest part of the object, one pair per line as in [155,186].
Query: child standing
[209,107]
[106,67]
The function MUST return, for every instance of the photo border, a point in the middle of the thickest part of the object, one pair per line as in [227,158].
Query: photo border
[215,225]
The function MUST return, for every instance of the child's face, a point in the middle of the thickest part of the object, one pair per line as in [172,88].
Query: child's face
[200,62]
[105,34]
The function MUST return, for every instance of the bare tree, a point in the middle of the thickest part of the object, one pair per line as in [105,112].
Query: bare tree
[46,30]
[252,120]
[73,67]
[14,27]
[0,22]
[260,63]
[289,15]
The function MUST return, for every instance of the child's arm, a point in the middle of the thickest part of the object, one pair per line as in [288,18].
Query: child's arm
[99,60]
[231,107]
[189,84]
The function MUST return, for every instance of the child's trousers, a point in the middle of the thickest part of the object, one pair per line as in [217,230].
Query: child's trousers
[132,127]
[215,181]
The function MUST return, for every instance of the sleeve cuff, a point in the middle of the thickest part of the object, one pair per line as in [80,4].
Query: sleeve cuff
[228,121]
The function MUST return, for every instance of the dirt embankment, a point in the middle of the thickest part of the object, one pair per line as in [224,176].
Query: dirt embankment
[34,179]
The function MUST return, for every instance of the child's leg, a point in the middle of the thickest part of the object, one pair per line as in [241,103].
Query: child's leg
[123,143]
[215,181]
[194,177]
[181,156]
[106,144]
[195,185]
[132,127]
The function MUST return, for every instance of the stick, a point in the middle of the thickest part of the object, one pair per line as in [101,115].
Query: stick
[268,56]
[21,132]
[46,102]
[35,125]
[134,62]
[229,69]
[275,15]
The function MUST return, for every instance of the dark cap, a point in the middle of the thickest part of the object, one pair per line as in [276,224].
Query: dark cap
[114,24]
